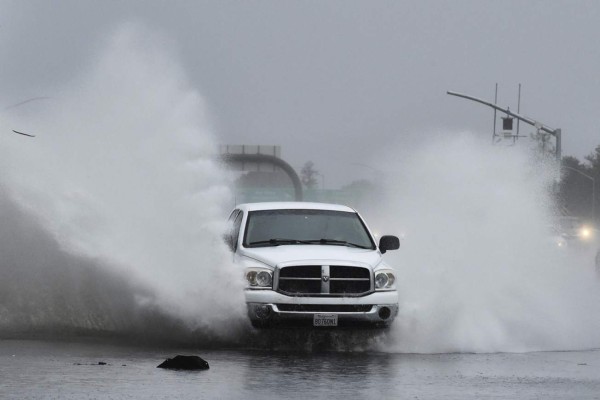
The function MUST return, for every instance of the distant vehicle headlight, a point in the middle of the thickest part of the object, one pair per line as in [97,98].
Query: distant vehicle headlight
[259,278]
[585,233]
[385,280]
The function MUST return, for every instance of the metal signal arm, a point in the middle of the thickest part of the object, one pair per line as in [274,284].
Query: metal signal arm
[555,132]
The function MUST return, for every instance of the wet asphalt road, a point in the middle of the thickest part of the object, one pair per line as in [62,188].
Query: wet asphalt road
[36,369]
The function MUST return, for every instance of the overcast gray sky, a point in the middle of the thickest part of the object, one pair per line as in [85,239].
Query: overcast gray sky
[337,81]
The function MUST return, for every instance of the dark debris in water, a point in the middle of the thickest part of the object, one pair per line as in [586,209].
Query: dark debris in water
[189,363]
[98,363]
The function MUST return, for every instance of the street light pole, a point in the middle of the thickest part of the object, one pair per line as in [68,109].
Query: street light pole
[593,189]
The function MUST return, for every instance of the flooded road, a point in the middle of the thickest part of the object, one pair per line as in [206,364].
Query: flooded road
[126,240]
[34,369]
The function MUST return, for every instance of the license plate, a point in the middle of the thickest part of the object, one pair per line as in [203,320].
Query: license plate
[325,320]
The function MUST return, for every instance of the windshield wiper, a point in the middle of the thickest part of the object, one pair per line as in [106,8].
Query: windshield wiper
[277,242]
[335,241]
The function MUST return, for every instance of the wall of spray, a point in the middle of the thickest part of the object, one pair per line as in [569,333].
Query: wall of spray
[478,268]
[121,179]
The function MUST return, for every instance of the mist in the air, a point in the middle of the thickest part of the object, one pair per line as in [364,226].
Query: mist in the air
[116,208]
[479,269]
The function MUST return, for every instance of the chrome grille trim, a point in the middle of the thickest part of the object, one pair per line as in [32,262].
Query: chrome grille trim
[323,280]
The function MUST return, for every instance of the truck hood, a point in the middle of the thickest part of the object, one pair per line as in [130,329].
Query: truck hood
[309,254]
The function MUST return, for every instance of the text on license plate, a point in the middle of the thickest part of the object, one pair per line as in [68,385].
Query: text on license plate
[325,320]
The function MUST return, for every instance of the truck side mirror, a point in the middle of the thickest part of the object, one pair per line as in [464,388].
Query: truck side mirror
[388,242]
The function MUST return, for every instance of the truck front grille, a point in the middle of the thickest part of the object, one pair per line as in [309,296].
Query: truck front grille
[324,280]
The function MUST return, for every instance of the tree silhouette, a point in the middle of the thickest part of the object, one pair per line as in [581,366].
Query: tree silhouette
[308,175]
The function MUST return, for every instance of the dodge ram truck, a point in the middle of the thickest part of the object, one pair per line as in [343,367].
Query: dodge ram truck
[312,264]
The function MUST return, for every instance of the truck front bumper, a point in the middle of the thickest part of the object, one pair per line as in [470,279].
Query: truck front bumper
[267,308]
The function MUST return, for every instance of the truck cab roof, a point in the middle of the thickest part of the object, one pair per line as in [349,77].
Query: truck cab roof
[292,205]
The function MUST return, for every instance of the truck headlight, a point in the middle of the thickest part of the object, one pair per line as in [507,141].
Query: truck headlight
[385,280]
[259,278]
[264,278]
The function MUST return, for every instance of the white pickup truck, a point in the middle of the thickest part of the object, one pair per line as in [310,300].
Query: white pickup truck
[312,264]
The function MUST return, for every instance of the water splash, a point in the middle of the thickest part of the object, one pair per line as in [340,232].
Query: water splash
[121,177]
[478,271]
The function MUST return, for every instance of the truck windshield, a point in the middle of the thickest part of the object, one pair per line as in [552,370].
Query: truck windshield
[284,227]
